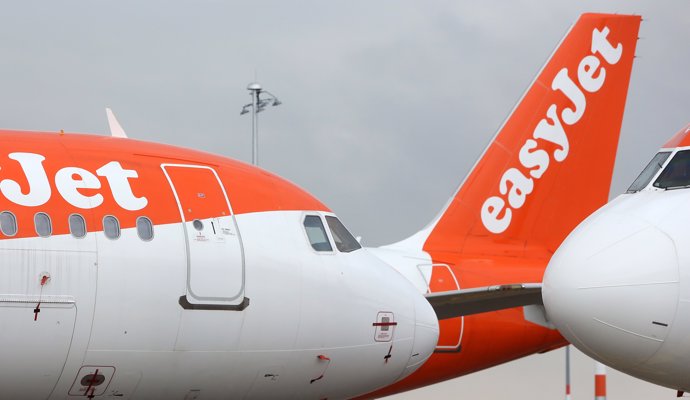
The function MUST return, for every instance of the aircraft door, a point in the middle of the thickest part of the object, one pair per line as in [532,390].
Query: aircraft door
[215,261]
[442,280]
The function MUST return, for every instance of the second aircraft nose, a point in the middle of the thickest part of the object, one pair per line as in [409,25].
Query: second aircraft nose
[612,287]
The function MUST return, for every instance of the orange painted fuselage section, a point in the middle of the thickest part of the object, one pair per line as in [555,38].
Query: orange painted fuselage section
[250,189]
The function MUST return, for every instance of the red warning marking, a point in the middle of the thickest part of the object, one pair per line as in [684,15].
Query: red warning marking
[321,357]
[44,280]
[90,387]
[384,324]
[92,381]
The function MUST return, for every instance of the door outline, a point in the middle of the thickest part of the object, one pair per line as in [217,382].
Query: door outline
[213,303]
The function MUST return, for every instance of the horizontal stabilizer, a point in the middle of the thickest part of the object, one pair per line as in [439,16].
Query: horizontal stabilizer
[457,303]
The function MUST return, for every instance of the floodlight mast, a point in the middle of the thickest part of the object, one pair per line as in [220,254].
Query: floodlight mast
[257,105]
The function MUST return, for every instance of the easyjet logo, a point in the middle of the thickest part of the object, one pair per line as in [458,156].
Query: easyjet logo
[518,182]
[69,182]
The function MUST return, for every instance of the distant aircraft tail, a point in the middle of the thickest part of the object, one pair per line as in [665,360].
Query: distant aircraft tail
[548,167]
[550,164]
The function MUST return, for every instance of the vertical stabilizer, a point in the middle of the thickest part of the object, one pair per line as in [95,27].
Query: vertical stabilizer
[550,164]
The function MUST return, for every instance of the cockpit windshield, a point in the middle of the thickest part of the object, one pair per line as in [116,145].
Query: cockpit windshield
[649,172]
[344,240]
[677,172]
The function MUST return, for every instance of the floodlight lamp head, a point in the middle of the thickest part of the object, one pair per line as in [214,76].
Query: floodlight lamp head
[276,102]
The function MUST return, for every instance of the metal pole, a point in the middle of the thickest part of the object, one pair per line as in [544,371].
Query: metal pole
[257,105]
[255,89]
[567,372]
[255,127]
[599,381]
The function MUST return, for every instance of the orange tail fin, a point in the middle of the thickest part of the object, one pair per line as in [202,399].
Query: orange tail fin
[550,164]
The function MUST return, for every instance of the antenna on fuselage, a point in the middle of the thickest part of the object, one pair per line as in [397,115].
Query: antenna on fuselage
[115,127]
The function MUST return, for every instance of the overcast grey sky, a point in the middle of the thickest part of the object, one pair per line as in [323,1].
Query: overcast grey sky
[386,104]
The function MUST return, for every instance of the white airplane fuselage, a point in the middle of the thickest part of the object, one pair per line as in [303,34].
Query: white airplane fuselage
[217,305]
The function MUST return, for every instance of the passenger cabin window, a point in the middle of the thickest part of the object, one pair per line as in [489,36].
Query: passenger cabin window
[8,223]
[316,233]
[343,239]
[43,225]
[677,172]
[77,226]
[649,172]
[144,228]
[111,227]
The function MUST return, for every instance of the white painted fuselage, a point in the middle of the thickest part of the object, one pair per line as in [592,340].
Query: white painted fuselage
[223,306]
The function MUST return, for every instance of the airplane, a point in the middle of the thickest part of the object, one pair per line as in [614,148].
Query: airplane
[140,270]
[617,286]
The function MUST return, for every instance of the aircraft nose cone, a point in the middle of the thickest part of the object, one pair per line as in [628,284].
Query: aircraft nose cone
[425,334]
[611,289]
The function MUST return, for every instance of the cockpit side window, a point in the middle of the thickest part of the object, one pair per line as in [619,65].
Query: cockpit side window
[649,172]
[343,239]
[677,172]
[317,233]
